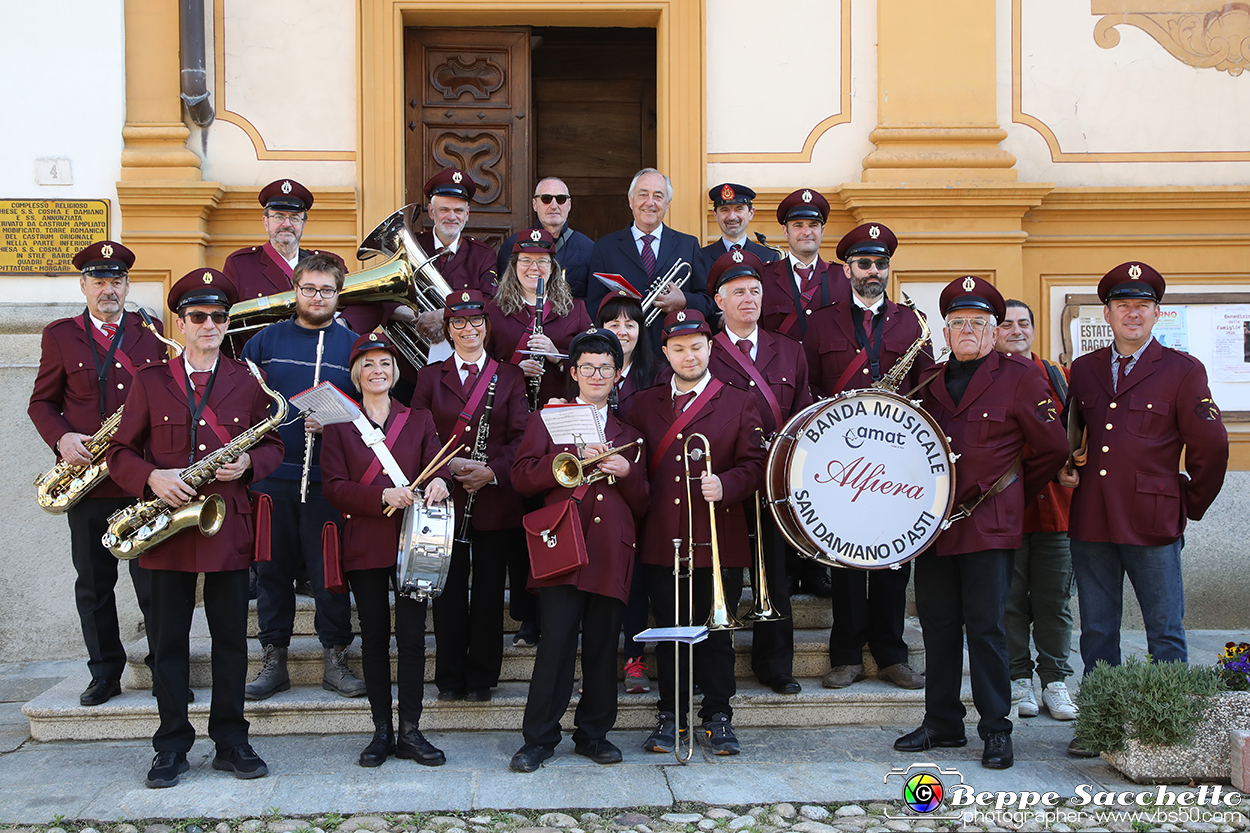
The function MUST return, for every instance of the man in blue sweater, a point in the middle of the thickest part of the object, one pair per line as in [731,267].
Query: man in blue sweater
[289,353]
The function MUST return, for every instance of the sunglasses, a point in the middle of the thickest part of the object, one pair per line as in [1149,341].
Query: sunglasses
[561,199]
[199,317]
[866,263]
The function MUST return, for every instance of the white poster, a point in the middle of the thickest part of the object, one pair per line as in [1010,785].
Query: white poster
[1172,327]
[1090,331]
[1230,353]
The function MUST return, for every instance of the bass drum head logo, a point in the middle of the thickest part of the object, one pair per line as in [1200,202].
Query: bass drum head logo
[923,792]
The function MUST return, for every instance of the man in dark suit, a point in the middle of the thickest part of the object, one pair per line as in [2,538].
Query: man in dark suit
[86,368]
[553,204]
[1141,403]
[176,414]
[647,250]
[796,286]
[1001,420]
[852,343]
[734,213]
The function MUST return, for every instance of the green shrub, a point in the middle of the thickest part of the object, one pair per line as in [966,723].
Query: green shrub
[1151,702]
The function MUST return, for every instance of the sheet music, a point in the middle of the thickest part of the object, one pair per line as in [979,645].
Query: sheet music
[327,404]
[688,634]
[573,424]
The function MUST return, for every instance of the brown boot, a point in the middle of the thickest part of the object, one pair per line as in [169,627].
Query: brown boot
[843,675]
[902,675]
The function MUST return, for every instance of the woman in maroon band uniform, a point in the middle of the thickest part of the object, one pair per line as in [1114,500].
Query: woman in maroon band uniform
[621,312]
[370,543]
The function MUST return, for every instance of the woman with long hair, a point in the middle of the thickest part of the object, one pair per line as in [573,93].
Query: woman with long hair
[621,312]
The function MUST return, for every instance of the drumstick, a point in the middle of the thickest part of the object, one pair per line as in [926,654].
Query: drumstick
[439,459]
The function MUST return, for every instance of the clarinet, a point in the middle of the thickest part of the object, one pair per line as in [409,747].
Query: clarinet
[533,383]
[479,454]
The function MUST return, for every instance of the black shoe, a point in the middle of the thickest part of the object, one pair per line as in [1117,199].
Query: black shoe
[819,585]
[242,760]
[382,745]
[718,735]
[411,744]
[998,753]
[100,692]
[167,769]
[451,694]
[785,684]
[531,756]
[478,695]
[925,738]
[663,737]
[599,750]
[526,635]
[303,588]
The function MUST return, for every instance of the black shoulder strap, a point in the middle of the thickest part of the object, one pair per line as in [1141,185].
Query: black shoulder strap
[1057,381]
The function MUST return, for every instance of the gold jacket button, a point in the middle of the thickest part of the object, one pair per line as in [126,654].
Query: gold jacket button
[203,447]
[117,364]
[677,479]
[752,383]
[598,497]
[120,386]
[807,311]
[679,436]
[347,517]
[596,520]
[1113,404]
[167,419]
[1102,473]
[1105,449]
[1109,426]
[236,419]
[677,501]
[1149,405]
[202,422]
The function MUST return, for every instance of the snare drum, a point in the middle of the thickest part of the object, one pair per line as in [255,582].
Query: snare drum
[861,480]
[425,541]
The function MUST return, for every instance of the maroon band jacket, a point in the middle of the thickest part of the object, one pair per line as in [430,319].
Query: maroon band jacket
[779,298]
[781,362]
[508,331]
[831,346]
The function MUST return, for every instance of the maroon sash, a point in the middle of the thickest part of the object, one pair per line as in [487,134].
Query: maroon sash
[392,436]
[102,340]
[475,396]
[210,418]
[861,358]
[523,343]
[278,259]
[692,410]
[748,366]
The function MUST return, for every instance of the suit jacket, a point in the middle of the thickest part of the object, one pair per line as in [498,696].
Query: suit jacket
[439,391]
[779,297]
[608,511]
[1131,490]
[1007,410]
[66,396]
[471,267]
[508,331]
[370,539]
[573,255]
[782,364]
[731,422]
[716,249]
[617,254]
[155,434]
[831,345]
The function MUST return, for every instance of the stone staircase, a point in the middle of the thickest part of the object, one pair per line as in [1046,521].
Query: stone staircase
[308,709]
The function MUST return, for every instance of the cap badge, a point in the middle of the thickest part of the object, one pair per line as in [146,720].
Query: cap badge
[373,336]
[737,256]
[807,196]
[536,235]
[591,331]
[726,192]
[208,277]
[681,316]
[106,250]
[1134,271]
[621,292]
[874,232]
[456,177]
[464,297]
[969,284]
[286,186]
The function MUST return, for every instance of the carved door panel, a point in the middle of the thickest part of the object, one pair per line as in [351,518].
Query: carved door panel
[467,97]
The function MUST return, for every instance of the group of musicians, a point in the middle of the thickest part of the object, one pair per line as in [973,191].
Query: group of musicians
[668,344]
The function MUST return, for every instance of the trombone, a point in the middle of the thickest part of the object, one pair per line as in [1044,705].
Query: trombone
[720,618]
[763,610]
[660,284]
[571,472]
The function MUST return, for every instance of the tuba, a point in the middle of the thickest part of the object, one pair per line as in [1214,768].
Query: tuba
[136,529]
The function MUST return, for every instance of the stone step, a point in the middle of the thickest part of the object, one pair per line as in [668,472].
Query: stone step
[56,715]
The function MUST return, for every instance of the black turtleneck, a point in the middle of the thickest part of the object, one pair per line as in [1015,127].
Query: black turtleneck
[959,374]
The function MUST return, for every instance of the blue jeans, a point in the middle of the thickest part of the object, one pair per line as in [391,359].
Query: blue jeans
[1156,576]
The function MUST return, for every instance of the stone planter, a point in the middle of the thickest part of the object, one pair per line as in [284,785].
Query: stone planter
[1205,758]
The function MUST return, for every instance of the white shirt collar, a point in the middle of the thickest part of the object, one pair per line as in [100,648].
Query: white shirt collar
[453,248]
[99,325]
[754,338]
[189,369]
[697,389]
[875,307]
[796,263]
[481,364]
[638,233]
[729,244]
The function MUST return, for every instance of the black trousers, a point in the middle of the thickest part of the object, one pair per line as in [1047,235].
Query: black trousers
[372,590]
[225,605]
[954,592]
[637,611]
[567,610]
[713,657]
[772,643]
[468,621]
[296,549]
[868,609]
[95,579]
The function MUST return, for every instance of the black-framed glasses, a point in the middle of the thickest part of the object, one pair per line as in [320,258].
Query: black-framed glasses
[472,320]
[589,371]
[199,317]
[313,292]
[864,263]
[560,199]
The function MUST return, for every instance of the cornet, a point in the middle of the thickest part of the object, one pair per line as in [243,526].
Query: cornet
[659,285]
[571,472]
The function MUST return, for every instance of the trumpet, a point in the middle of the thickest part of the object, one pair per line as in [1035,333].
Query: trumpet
[571,472]
[659,285]
[720,618]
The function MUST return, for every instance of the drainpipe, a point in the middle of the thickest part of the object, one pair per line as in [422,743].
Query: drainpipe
[195,94]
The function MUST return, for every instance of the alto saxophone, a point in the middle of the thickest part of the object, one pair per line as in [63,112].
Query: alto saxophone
[891,381]
[62,486]
[136,529]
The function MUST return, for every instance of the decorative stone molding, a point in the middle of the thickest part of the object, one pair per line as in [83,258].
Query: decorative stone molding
[1215,39]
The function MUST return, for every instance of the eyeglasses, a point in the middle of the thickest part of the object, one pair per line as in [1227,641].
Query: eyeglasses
[561,199]
[472,320]
[589,371]
[865,264]
[199,317]
[313,292]
[293,219]
[975,324]
[527,262]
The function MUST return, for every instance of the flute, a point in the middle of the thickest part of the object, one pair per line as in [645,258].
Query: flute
[310,439]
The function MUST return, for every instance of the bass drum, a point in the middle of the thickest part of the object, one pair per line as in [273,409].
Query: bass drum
[425,540]
[862,480]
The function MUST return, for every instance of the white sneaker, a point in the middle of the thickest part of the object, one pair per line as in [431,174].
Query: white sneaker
[1058,702]
[1028,702]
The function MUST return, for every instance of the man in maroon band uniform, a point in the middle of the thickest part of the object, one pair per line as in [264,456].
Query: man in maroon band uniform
[797,286]
[852,343]
[667,414]
[1001,420]
[85,371]
[1142,403]
[772,369]
[589,599]
[178,413]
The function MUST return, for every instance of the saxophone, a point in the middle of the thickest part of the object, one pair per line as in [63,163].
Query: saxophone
[891,381]
[479,454]
[136,529]
[62,486]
